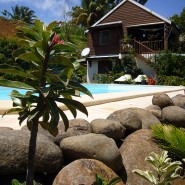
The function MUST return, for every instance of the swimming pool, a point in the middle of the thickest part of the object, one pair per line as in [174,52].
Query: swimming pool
[95,89]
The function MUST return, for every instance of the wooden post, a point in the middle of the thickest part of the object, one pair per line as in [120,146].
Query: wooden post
[165,36]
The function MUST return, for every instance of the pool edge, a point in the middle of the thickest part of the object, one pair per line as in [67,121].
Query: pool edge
[101,98]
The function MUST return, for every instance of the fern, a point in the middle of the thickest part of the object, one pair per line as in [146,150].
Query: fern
[170,138]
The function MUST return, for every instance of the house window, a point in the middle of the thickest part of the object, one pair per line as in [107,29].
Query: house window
[105,37]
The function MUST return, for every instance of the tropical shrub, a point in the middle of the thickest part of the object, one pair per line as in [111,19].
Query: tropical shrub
[7,46]
[170,138]
[165,171]
[170,65]
[47,82]
[170,80]
[104,78]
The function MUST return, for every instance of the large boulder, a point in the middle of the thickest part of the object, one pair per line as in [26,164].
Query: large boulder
[5,128]
[14,153]
[40,130]
[127,118]
[146,117]
[84,171]
[76,127]
[81,125]
[136,147]
[179,100]
[155,110]
[162,100]
[92,146]
[134,118]
[174,115]
[109,128]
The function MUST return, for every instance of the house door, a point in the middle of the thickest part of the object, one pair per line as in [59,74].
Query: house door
[104,66]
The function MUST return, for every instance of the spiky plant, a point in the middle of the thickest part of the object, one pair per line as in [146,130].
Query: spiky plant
[170,138]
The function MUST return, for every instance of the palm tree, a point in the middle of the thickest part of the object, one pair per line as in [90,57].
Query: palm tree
[22,13]
[90,11]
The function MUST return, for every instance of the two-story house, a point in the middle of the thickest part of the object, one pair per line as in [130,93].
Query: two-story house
[150,32]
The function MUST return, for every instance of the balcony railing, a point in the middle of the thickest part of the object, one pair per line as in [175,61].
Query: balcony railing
[156,45]
[144,47]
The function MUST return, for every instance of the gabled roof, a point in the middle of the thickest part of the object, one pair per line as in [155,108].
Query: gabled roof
[137,4]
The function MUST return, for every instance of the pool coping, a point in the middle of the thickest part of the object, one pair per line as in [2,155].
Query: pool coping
[104,98]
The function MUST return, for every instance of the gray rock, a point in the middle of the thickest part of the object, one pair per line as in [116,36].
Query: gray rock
[179,100]
[180,181]
[133,118]
[109,128]
[84,171]
[127,118]
[81,125]
[153,107]
[92,146]
[174,115]
[146,117]
[5,128]
[40,130]
[76,127]
[14,153]
[155,110]
[162,100]
[136,147]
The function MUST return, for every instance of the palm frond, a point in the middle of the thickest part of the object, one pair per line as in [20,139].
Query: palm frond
[170,138]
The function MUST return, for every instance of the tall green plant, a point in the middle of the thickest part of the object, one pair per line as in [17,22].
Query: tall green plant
[170,138]
[46,84]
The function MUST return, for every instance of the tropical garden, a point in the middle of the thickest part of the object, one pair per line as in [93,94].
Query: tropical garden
[43,60]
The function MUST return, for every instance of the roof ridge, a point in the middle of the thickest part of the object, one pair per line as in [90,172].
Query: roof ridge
[137,4]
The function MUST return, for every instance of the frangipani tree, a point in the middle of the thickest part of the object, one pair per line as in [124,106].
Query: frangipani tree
[46,83]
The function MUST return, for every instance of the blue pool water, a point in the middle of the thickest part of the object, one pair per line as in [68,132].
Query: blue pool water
[94,89]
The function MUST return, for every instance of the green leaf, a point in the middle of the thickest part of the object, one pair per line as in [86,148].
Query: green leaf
[18,52]
[22,116]
[73,103]
[46,115]
[67,72]
[13,70]
[64,118]
[54,112]
[53,131]
[46,37]
[54,78]
[61,60]
[29,33]
[15,182]
[30,57]
[33,114]
[12,110]
[52,25]
[99,180]
[114,181]
[15,84]
[80,88]
[172,168]
[39,26]
[146,175]
[65,48]
[76,65]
